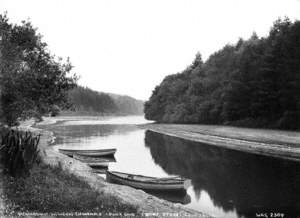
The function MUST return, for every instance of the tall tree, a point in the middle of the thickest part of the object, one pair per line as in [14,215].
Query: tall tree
[32,80]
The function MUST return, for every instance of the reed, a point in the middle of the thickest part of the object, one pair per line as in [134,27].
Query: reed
[18,151]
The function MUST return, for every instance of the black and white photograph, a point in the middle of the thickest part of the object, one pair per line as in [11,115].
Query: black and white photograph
[150,108]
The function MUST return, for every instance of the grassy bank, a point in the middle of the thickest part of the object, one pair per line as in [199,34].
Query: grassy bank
[52,190]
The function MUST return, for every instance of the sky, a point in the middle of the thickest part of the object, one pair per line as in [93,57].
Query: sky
[129,46]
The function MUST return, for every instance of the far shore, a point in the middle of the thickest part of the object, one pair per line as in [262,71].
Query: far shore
[274,143]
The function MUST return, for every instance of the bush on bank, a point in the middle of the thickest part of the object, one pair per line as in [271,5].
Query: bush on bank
[18,151]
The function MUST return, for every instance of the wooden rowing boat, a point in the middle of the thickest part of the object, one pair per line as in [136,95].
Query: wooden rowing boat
[99,170]
[92,161]
[169,184]
[87,158]
[91,153]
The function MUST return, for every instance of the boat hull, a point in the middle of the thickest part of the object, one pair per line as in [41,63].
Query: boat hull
[91,153]
[98,154]
[99,170]
[94,164]
[147,186]
[89,159]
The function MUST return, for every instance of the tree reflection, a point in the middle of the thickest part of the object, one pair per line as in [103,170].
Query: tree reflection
[234,180]
[65,132]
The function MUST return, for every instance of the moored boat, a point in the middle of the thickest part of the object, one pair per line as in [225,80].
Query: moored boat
[169,184]
[91,153]
[99,169]
[95,164]
[92,161]
[87,158]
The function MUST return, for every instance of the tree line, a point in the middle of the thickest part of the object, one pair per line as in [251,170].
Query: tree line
[127,104]
[252,83]
[86,100]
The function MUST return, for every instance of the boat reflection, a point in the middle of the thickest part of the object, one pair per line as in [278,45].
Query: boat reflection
[182,198]
[245,183]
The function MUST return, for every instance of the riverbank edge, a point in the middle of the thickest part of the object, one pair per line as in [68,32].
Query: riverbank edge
[146,204]
[256,145]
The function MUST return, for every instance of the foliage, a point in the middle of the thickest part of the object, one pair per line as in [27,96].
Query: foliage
[85,99]
[54,111]
[32,80]
[19,151]
[127,105]
[52,190]
[88,100]
[254,83]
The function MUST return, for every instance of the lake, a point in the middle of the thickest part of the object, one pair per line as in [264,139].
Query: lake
[224,183]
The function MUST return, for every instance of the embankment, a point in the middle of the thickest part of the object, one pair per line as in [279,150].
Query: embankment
[275,143]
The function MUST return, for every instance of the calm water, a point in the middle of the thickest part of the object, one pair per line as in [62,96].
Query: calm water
[225,183]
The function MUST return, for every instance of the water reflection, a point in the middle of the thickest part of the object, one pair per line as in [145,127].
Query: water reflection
[235,181]
[70,133]
[182,198]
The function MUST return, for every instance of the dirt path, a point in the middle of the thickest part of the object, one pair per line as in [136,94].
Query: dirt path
[281,144]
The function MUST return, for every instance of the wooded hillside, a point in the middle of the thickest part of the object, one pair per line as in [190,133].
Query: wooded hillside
[254,83]
[89,101]
[127,104]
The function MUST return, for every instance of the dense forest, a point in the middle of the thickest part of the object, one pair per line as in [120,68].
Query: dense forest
[127,104]
[253,83]
[88,101]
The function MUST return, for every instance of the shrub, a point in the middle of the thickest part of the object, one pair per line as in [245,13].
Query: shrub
[19,151]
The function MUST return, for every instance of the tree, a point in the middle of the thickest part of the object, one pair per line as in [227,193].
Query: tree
[254,83]
[32,80]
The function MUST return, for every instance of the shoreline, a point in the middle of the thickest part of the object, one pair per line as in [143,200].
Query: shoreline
[146,203]
[271,143]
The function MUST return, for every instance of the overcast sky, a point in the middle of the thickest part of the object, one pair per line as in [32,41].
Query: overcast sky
[129,46]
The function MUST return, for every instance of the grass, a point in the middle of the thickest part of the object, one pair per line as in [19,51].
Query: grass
[52,190]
